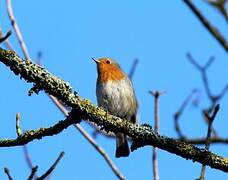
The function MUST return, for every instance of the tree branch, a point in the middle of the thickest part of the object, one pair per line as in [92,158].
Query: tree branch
[223,42]
[141,135]
[99,149]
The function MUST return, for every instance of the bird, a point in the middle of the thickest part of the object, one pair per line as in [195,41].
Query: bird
[115,94]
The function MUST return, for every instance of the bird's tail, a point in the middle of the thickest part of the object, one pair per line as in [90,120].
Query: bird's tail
[122,149]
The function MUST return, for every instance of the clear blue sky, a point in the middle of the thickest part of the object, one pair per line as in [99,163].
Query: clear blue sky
[69,33]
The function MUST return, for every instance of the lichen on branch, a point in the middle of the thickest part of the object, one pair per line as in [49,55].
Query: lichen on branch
[141,135]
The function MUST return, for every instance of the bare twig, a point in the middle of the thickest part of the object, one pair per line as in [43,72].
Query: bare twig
[4,38]
[222,93]
[28,159]
[207,144]
[6,42]
[33,173]
[105,156]
[59,105]
[25,149]
[213,98]
[201,141]
[6,170]
[220,5]
[17,29]
[202,70]
[215,33]
[49,171]
[133,67]
[18,129]
[156,95]
[180,112]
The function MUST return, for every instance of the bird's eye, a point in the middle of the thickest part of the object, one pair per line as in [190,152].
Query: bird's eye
[108,62]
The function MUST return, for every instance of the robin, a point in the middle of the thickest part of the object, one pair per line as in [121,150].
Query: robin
[115,94]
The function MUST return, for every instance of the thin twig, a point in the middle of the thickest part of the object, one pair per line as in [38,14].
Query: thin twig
[28,160]
[59,105]
[6,170]
[18,129]
[213,98]
[180,112]
[220,5]
[33,173]
[201,141]
[4,38]
[156,95]
[202,70]
[6,42]
[49,171]
[106,157]
[208,139]
[215,33]
[133,68]
[25,149]
[90,139]
[17,29]
[223,92]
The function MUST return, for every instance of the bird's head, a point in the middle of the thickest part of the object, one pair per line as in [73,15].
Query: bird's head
[108,69]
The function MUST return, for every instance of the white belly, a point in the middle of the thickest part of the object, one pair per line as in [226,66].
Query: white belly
[117,98]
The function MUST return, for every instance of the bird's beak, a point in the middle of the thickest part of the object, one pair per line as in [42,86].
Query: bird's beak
[95,60]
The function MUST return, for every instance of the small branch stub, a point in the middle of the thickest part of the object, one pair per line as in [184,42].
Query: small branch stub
[6,170]
[18,129]
[3,38]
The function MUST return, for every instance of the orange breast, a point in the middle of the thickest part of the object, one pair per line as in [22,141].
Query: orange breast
[109,72]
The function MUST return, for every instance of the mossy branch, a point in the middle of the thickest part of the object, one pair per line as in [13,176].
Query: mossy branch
[141,135]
